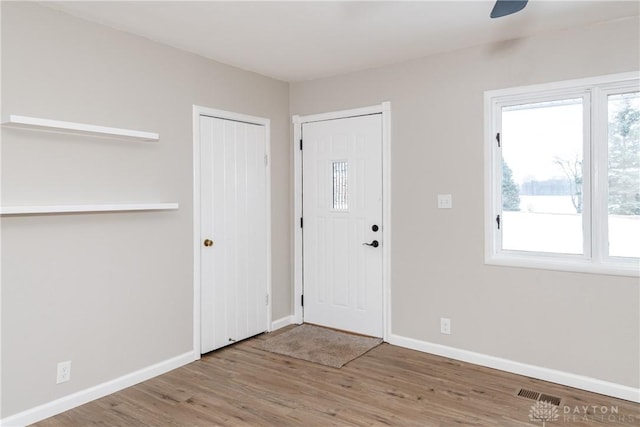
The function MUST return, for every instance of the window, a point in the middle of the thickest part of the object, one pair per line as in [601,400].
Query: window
[562,175]
[623,129]
[340,188]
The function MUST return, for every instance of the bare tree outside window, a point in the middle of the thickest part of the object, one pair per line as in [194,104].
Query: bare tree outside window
[573,171]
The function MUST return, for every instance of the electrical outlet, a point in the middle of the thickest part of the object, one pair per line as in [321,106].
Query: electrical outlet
[445,201]
[445,326]
[64,372]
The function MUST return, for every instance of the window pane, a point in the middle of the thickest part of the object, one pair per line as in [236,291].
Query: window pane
[340,186]
[624,175]
[542,147]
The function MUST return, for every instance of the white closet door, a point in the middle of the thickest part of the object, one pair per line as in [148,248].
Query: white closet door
[233,231]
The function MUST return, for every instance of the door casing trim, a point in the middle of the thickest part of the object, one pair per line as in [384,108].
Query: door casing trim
[199,111]
[385,109]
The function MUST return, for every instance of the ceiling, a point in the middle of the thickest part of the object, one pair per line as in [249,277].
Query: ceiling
[294,41]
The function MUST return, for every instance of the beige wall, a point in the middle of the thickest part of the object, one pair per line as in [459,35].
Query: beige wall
[580,323]
[111,292]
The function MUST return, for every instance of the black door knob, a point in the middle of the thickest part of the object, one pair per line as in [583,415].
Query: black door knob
[375,244]
[375,227]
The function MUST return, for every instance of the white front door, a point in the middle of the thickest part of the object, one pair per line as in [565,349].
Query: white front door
[342,224]
[234,238]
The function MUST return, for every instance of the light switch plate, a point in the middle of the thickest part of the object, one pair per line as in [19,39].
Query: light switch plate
[445,201]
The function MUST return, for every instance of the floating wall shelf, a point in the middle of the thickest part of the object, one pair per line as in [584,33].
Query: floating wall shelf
[57,209]
[77,128]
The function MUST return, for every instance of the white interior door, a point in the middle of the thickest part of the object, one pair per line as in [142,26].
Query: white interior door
[342,224]
[233,254]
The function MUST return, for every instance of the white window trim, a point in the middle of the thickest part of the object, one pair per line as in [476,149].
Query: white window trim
[595,231]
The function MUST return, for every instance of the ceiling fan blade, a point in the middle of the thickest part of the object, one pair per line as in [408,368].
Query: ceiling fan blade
[507,7]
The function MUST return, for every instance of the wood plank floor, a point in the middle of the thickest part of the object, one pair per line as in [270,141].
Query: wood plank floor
[242,385]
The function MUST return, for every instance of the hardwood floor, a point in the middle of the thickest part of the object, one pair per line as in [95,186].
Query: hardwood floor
[242,385]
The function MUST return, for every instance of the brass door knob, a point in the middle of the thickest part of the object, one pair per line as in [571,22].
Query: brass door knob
[208,242]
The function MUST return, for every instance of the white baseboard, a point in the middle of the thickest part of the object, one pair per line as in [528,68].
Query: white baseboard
[560,377]
[71,401]
[282,322]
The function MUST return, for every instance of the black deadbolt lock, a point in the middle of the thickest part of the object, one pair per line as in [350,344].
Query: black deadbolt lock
[375,227]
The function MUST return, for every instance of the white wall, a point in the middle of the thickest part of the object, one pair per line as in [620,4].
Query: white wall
[578,323]
[110,292]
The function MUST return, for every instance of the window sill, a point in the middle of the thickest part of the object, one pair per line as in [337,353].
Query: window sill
[628,269]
